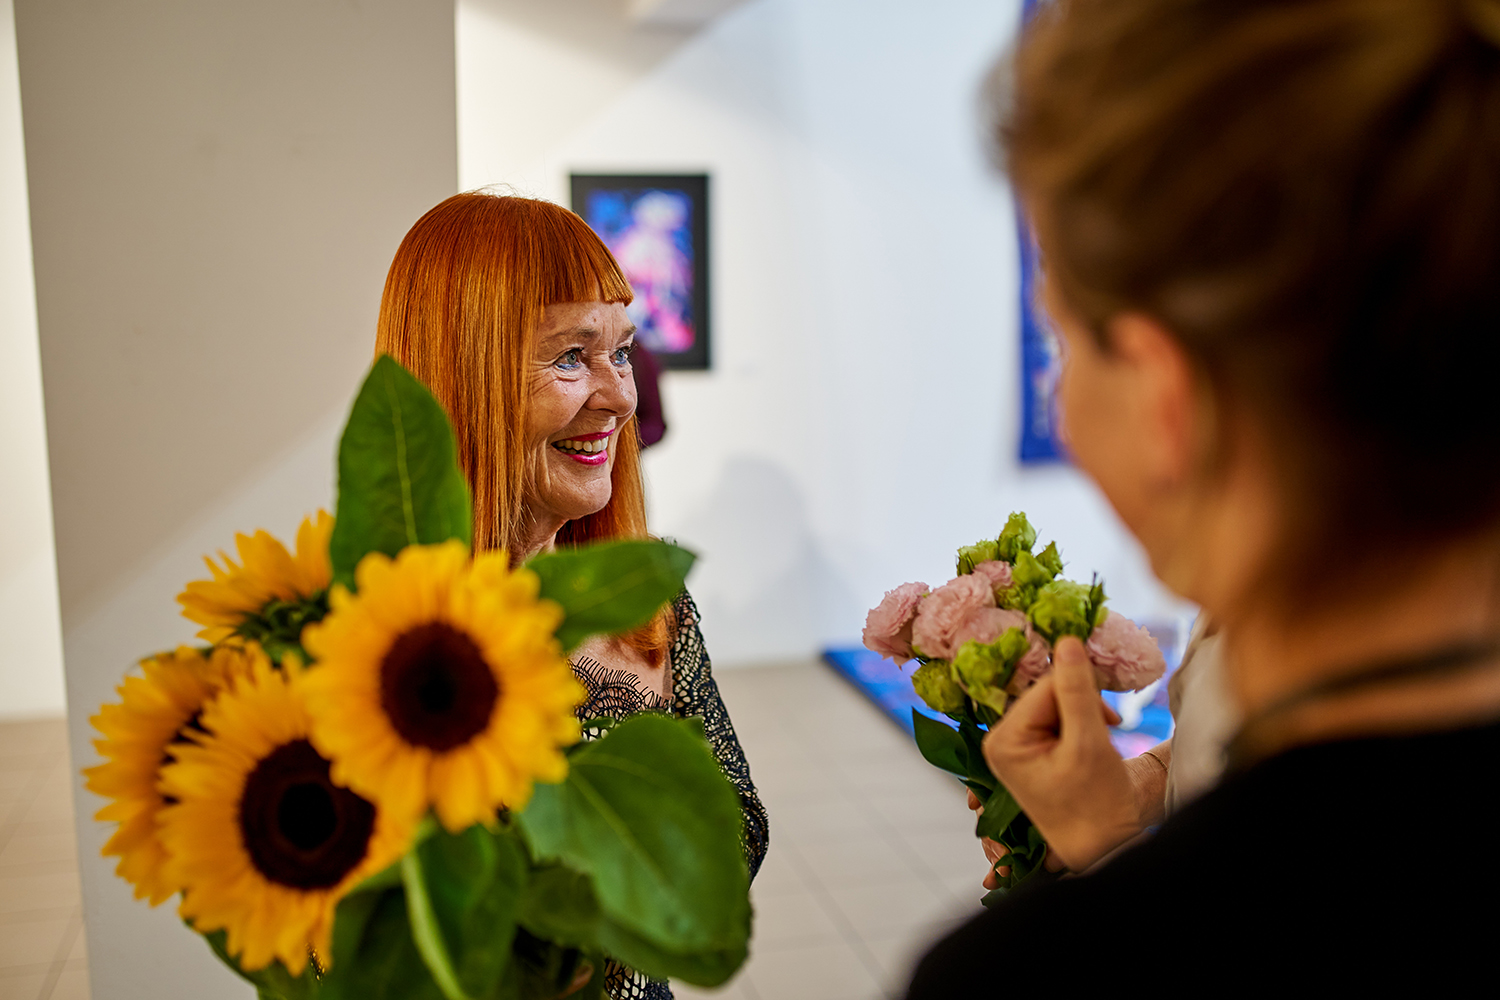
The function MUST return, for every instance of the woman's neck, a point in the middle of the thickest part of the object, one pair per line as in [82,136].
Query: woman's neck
[540,536]
[1421,605]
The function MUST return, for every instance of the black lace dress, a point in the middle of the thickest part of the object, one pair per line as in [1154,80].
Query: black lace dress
[618,693]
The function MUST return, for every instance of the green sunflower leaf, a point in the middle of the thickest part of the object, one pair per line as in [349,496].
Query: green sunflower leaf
[399,479]
[649,816]
[374,956]
[610,587]
[708,967]
[470,885]
[273,981]
[559,905]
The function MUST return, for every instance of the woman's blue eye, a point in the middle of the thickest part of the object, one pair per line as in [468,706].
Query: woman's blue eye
[622,356]
[570,360]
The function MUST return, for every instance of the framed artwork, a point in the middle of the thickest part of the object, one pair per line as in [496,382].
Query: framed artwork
[656,225]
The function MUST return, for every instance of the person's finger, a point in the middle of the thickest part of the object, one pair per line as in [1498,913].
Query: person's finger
[1073,676]
[1077,693]
[1111,717]
[1031,718]
[974,802]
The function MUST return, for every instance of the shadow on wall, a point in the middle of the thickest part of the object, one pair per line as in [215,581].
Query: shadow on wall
[763,586]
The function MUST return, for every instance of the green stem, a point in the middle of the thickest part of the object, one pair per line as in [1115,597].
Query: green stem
[425,930]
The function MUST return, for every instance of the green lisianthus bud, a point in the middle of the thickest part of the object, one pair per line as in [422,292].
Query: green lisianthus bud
[935,685]
[1097,611]
[972,555]
[1051,559]
[1016,597]
[1028,571]
[1062,608]
[985,668]
[1019,536]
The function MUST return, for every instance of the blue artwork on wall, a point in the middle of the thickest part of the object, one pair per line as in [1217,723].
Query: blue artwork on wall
[1041,363]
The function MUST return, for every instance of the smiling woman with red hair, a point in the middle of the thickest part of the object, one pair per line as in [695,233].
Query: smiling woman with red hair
[512,311]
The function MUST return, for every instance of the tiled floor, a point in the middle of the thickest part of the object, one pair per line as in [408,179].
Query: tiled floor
[41,917]
[872,852]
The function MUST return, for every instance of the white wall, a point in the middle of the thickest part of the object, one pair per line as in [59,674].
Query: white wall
[860,420]
[31,676]
[216,191]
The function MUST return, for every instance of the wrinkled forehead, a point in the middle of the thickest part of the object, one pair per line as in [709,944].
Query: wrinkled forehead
[584,322]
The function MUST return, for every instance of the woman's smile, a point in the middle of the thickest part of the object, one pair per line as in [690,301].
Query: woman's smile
[587,449]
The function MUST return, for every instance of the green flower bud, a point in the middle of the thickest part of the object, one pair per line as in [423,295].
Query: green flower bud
[985,669]
[972,555]
[1016,597]
[1097,611]
[1051,559]
[1019,536]
[1028,571]
[1062,608]
[934,684]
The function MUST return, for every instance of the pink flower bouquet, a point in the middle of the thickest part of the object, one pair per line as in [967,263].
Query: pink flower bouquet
[984,637]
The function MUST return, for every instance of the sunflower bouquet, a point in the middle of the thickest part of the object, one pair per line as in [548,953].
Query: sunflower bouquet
[981,639]
[368,781]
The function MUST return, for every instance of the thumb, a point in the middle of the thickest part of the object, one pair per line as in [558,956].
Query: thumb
[1077,694]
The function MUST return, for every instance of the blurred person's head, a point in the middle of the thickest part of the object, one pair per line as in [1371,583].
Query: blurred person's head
[512,311]
[1271,238]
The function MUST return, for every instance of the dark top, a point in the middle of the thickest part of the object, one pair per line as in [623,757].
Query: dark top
[618,694]
[1370,859]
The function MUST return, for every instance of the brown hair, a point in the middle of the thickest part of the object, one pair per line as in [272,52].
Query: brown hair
[463,301]
[1307,194]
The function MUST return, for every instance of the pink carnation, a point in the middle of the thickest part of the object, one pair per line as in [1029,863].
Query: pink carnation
[888,626]
[1125,656]
[942,613]
[986,625]
[996,571]
[1033,663]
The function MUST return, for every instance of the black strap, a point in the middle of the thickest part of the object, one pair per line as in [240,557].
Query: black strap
[1249,746]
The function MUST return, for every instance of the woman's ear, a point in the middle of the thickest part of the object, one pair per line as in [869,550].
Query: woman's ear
[1169,407]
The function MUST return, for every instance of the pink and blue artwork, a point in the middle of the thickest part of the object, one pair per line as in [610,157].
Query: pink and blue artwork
[657,228]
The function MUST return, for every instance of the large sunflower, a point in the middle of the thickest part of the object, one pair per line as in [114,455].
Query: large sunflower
[266,573]
[140,733]
[441,683]
[262,842]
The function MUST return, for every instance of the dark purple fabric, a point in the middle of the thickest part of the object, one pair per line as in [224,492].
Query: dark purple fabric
[648,413]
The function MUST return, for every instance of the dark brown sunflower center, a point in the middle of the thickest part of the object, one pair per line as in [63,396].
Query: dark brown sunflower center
[300,828]
[436,688]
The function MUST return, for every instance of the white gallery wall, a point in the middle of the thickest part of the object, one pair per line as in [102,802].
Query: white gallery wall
[31,674]
[216,191]
[860,419]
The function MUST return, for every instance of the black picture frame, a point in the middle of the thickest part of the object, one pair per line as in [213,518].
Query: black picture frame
[666,315]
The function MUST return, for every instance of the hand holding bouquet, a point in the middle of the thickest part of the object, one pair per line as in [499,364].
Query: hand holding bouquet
[369,782]
[984,637]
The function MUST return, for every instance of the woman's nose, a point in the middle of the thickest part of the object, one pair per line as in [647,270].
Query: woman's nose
[614,393]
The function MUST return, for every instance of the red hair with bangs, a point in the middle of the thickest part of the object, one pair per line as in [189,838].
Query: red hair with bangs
[463,301]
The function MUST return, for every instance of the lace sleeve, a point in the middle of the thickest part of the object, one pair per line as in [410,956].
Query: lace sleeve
[695,693]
